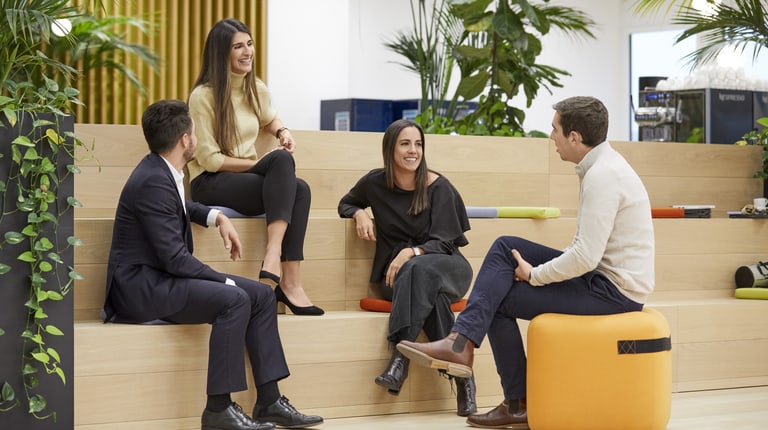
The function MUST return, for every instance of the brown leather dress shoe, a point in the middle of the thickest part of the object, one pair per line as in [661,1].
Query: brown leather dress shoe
[501,418]
[453,354]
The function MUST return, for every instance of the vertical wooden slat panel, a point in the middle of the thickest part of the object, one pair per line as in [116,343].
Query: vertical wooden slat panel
[177,38]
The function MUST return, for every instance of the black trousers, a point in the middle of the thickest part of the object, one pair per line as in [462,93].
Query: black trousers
[422,294]
[243,318]
[271,188]
[497,300]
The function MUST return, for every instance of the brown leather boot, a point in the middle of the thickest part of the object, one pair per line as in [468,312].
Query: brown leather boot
[465,396]
[395,373]
[501,417]
[453,354]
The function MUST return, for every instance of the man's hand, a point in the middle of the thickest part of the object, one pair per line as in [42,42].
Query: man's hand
[229,234]
[523,269]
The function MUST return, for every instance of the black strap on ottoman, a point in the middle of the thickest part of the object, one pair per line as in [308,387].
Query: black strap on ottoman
[644,346]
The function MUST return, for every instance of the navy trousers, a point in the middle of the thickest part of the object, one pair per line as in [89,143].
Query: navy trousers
[497,301]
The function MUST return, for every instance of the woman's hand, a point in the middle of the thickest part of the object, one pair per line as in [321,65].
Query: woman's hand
[364,226]
[286,141]
[401,258]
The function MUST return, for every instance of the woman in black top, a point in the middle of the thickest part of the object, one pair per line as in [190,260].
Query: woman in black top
[420,225]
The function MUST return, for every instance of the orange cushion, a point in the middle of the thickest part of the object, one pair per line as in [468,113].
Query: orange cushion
[667,213]
[381,305]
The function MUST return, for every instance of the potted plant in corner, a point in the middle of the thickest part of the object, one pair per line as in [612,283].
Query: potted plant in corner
[760,138]
[37,146]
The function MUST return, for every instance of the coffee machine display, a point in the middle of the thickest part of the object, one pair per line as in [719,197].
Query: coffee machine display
[657,115]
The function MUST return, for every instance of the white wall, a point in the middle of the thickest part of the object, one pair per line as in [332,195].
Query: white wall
[333,49]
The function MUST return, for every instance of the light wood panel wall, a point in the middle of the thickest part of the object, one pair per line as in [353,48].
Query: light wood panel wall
[345,349]
[177,37]
[487,171]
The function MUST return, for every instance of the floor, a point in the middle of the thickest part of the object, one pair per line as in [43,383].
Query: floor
[735,409]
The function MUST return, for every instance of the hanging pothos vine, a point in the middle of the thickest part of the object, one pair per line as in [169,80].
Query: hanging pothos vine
[35,98]
[36,181]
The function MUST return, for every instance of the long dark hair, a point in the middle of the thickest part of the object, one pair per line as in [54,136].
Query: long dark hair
[216,73]
[420,200]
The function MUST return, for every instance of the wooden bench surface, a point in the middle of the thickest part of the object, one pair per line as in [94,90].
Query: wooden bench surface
[344,350]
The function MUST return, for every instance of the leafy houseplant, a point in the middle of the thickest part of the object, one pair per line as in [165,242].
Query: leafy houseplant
[496,54]
[36,182]
[498,58]
[37,144]
[760,138]
[427,51]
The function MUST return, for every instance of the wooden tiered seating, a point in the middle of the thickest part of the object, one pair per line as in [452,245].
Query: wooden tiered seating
[152,377]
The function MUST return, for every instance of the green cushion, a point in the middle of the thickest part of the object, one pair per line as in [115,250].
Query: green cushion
[751,293]
[528,212]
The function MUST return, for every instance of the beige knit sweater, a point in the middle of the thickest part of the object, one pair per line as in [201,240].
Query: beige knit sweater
[208,156]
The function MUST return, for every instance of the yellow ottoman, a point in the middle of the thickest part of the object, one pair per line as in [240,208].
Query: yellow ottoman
[604,372]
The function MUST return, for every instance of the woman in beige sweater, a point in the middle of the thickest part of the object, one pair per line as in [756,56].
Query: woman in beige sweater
[230,107]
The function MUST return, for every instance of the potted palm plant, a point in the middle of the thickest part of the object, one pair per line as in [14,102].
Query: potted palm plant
[37,146]
[495,44]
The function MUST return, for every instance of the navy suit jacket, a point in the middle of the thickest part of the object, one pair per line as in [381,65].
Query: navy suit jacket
[151,252]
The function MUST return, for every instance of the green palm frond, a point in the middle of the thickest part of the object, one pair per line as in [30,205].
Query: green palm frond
[651,7]
[743,26]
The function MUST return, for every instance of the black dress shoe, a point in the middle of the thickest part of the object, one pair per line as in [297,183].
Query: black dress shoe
[283,414]
[465,396]
[395,373]
[232,418]
[268,278]
[297,310]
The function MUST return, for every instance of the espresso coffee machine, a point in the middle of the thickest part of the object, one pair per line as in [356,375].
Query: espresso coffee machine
[657,115]
[706,115]
[713,115]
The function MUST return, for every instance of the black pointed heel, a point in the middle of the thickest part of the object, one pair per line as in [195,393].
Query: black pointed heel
[296,310]
[268,278]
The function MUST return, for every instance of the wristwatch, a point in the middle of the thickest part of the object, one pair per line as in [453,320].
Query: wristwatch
[417,251]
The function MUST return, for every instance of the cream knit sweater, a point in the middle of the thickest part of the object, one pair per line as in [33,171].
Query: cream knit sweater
[208,156]
[614,229]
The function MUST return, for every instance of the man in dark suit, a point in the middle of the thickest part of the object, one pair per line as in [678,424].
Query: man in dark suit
[152,275]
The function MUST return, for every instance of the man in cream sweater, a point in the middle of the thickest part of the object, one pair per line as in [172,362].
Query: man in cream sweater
[608,268]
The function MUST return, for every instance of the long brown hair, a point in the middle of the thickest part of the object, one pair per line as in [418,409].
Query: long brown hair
[216,73]
[420,200]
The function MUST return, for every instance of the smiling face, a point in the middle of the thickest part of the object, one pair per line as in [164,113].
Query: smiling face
[408,151]
[241,53]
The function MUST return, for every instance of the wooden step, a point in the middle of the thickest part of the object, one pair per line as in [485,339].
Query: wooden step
[694,257]
[334,359]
